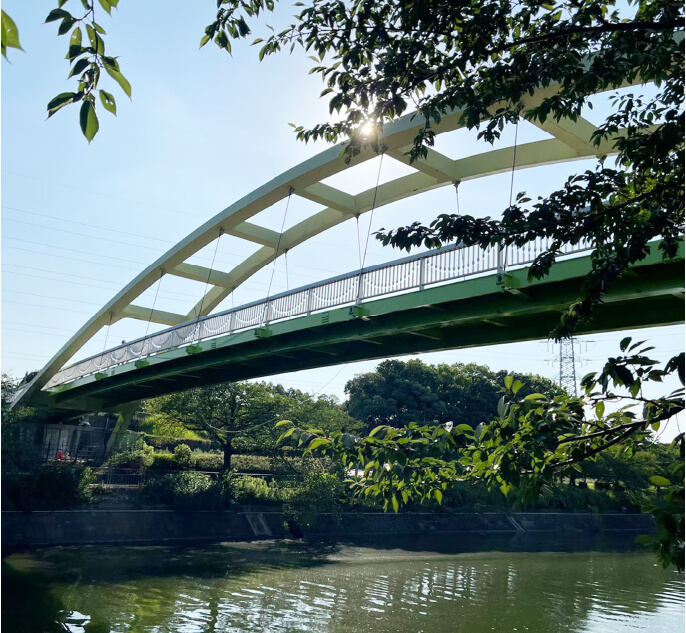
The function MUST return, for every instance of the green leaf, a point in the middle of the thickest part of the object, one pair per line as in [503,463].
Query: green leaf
[76,37]
[396,505]
[79,67]
[88,120]
[58,14]
[283,423]
[66,25]
[60,101]
[105,4]
[439,496]
[108,102]
[204,40]
[96,41]
[119,78]
[535,396]
[315,444]
[600,409]
[518,384]
[625,343]
[10,34]
[660,482]
[508,382]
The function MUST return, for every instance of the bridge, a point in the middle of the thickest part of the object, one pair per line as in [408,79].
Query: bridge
[447,299]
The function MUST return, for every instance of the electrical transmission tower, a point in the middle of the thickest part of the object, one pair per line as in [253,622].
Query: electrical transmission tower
[568,365]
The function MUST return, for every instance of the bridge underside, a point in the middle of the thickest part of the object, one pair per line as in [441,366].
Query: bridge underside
[468,313]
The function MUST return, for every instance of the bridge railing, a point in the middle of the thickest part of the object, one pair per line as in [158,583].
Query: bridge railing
[433,268]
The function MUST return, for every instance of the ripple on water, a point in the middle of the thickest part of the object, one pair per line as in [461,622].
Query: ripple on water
[286,590]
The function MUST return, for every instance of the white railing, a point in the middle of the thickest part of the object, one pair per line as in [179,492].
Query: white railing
[448,264]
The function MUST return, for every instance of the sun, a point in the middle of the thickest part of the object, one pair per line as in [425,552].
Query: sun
[367,129]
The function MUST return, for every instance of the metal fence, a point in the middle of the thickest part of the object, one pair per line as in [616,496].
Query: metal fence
[113,477]
[445,265]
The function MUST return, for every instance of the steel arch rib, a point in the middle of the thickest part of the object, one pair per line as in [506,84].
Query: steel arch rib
[305,180]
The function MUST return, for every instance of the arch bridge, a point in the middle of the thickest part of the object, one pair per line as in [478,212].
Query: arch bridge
[454,297]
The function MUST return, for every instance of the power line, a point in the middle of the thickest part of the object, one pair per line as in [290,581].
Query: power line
[104,195]
[109,230]
[95,226]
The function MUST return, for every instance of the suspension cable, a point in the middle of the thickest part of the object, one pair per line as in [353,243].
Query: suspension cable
[159,283]
[209,276]
[503,250]
[107,332]
[278,243]
[514,161]
[371,215]
[359,243]
[285,259]
[369,230]
[457,195]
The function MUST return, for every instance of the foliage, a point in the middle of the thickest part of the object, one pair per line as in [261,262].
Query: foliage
[397,393]
[141,458]
[187,491]
[165,429]
[241,416]
[533,440]
[222,411]
[86,57]
[48,486]
[183,456]
[322,493]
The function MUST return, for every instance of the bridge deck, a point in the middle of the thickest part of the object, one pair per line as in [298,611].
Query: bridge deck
[465,313]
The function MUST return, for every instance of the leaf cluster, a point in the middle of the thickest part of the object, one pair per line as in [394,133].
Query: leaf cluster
[87,59]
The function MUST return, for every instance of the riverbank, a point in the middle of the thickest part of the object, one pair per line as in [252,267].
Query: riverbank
[246,523]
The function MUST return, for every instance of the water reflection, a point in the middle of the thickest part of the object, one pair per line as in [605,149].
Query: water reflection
[274,587]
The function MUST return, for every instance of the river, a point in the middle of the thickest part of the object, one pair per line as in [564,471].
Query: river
[400,587]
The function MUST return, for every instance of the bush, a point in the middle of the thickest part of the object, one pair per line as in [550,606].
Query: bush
[250,489]
[207,461]
[140,458]
[182,455]
[49,486]
[322,493]
[187,491]
[251,464]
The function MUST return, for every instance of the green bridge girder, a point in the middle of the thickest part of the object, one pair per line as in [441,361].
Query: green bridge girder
[469,313]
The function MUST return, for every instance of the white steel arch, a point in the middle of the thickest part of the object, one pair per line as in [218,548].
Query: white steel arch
[571,141]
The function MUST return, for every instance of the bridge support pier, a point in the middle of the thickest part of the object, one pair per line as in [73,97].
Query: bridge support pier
[123,421]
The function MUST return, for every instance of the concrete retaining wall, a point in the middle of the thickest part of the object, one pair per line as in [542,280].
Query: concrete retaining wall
[86,527]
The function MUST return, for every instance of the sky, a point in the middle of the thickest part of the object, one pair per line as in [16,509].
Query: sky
[202,130]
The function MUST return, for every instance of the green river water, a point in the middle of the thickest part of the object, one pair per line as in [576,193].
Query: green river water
[398,587]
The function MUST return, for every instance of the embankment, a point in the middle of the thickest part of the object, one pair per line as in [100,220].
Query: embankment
[90,527]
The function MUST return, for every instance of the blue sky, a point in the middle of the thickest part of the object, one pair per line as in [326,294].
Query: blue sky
[203,129]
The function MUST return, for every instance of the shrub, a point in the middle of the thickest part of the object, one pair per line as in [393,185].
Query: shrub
[164,461]
[187,491]
[207,461]
[322,493]
[251,464]
[182,455]
[47,487]
[141,458]
[249,489]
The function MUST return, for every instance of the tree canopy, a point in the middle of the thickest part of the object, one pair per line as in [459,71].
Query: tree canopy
[244,415]
[398,393]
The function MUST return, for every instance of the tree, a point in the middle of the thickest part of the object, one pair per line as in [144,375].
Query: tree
[398,393]
[222,412]
[242,416]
